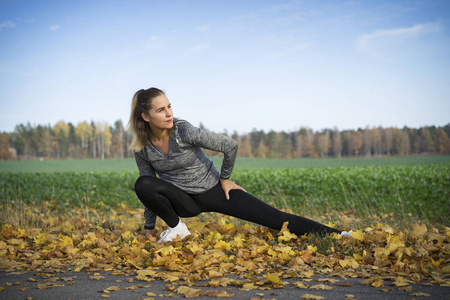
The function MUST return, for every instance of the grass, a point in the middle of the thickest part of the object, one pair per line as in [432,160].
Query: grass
[394,194]
[342,191]
[112,165]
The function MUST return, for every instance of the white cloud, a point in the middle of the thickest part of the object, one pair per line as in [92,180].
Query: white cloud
[375,43]
[54,27]
[7,24]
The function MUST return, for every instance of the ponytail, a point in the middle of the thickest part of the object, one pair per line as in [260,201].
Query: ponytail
[141,103]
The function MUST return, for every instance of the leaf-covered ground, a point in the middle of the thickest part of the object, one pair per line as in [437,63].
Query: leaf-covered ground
[221,252]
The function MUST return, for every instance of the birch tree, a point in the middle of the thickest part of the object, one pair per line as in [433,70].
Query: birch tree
[61,131]
[84,132]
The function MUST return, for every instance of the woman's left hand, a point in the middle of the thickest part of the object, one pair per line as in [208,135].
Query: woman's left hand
[228,185]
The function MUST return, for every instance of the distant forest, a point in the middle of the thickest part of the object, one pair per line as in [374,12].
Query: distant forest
[100,140]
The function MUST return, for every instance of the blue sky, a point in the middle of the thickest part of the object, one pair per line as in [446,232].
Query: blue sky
[232,65]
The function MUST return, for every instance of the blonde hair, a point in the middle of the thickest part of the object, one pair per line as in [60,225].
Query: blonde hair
[141,103]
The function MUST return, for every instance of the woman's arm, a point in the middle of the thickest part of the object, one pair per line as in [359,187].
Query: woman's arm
[144,166]
[220,143]
[212,141]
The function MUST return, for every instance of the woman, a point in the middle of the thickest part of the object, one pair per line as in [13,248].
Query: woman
[188,182]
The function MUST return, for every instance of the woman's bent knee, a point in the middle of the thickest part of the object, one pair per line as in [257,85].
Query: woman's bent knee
[145,186]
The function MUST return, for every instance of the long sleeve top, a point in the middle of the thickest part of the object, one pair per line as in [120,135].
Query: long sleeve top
[186,166]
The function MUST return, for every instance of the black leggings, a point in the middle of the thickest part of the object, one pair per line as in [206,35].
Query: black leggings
[169,203]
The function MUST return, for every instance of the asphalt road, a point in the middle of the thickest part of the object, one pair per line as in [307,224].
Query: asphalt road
[83,285]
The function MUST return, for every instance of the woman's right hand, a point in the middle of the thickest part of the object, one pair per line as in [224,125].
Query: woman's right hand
[228,185]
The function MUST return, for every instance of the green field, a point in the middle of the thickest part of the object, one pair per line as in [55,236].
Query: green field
[111,165]
[403,189]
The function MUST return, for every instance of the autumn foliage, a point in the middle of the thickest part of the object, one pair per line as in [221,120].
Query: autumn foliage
[102,140]
[221,252]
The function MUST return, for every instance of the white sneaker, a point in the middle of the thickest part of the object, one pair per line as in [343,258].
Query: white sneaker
[346,233]
[170,233]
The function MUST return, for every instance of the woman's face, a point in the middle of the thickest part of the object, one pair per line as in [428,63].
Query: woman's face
[160,115]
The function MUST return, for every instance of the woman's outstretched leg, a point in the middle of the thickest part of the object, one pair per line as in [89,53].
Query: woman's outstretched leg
[247,207]
[300,225]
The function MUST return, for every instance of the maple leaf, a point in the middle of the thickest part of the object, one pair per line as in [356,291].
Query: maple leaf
[65,241]
[194,247]
[49,285]
[113,288]
[147,272]
[144,278]
[321,287]
[220,282]
[358,235]
[225,226]
[286,236]
[249,286]
[184,290]
[284,227]
[222,245]
[400,281]
[420,295]
[41,238]
[419,230]
[312,297]
[307,274]
[130,225]
[223,294]
[327,280]
[376,282]
[170,278]
[273,278]
[165,251]
[344,284]
[238,241]
[272,252]
[301,285]
[348,263]
[214,274]
[312,248]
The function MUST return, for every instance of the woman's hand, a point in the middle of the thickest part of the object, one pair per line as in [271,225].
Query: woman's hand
[228,185]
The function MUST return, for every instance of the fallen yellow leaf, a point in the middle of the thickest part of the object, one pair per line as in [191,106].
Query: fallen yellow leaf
[301,285]
[420,294]
[419,230]
[358,235]
[312,297]
[321,287]
[273,278]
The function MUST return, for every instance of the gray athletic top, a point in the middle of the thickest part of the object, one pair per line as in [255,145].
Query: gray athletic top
[186,166]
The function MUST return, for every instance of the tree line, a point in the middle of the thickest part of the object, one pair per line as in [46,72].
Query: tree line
[100,140]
